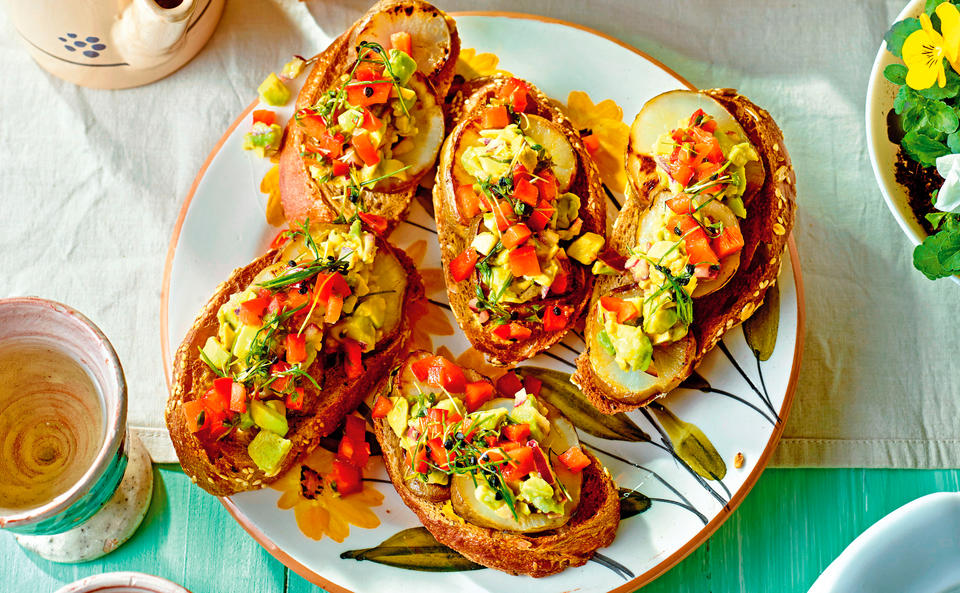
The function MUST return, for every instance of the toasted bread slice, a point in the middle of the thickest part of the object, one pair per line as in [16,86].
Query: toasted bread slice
[224,467]
[457,229]
[592,525]
[770,200]
[435,47]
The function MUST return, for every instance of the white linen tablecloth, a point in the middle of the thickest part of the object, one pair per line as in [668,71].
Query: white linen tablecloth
[91,182]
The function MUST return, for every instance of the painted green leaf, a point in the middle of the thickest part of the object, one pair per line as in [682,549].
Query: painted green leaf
[696,381]
[558,391]
[632,503]
[425,197]
[691,444]
[761,329]
[414,549]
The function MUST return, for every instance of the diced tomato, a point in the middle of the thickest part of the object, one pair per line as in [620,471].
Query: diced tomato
[682,204]
[280,240]
[515,235]
[682,174]
[477,394]
[219,426]
[251,311]
[495,117]
[463,265]
[538,220]
[421,368]
[575,459]
[339,167]
[512,331]
[523,261]
[280,383]
[382,407]
[419,464]
[346,477]
[365,149]
[509,384]
[709,125]
[353,451]
[468,203]
[238,398]
[402,41]
[517,432]
[547,186]
[728,242]
[624,310]
[294,400]
[264,115]
[491,458]
[591,143]
[296,348]
[532,385]
[437,453]
[364,94]
[333,283]
[218,399]
[370,122]
[224,388]
[525,191]
[370,69]
[312,123]
[334,308]
[447,375]
[375,222]
[276,304]
[555,318]
[294,299]
[695,241]
[697,117]
[519,465]
[561,282]
[355,427]
[196,415]
[352,363]
[504,215]
[514,92]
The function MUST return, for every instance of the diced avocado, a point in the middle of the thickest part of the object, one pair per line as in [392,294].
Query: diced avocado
[267,418]
[246,421]
[227,313]
[374,308]
[604,339]
[398,414]
[268,450]
[586,248]
[662,320]
[408,97]
[226,334]
[488,419]
[243,340]
[277,406]
[487,495]
[437,477]
[484,242]
[361,329]
[349,119]
[527,413]
[741,154]
[450,404]
[273,92]
[215,353]
[568,209]
[540,494]
[402,65]
[736,204]
[600,268]
[293,68]
[264,140]
[633,347]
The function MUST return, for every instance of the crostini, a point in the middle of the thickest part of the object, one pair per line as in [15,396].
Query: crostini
[493,471]
[711,202]
[369,119]
[520,214]
[284,349]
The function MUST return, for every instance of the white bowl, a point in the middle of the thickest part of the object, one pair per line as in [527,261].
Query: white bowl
[914,549]
[883,153]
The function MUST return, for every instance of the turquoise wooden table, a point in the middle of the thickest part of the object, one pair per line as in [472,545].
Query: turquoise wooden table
[790,527]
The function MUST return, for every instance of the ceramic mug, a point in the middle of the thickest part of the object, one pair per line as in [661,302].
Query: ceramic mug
[114,44]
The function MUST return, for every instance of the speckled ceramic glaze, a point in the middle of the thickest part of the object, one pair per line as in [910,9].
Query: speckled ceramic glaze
[123,582]
[65,329]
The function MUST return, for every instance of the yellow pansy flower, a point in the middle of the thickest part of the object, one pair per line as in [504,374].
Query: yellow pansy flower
[472,65]
[925,49]
[605,119]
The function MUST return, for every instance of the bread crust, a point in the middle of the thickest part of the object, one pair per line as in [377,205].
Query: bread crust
[765,231]
[226,468]
[301,196]
[593,524]
[454,236]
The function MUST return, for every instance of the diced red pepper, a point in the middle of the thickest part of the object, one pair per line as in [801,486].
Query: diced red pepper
[504,215]
[591,143]
[421,368]
[624,310]
[382,407]
[512,331]
[265,116]
[352,363]
[728,242]
[280,240]
[364,94]
[517,432]
[495,117]
[218,399]
[556,317]
[353,451]
[251,311]
[402,41]
[355,428]
[520,464]
[547,186]
[346,477]
[280,383]
[294,399]
[437,453]
[333,283]
[682,174]
[463,265]
[370,122]
[365,149]
[695,241]
[447,375]
[509,384]
[294,299]
[477,394]
[296,348]
[339,167]
[238,398]
[218,425]
[419,464]
[196,415]
[515,235]
[468,203]
[370,69]
[682,204]
[523,261]
[575,459]
[532,385]
[561,282]
[312,123]
[525,191]
[334,308]
[514,92]
[375,222]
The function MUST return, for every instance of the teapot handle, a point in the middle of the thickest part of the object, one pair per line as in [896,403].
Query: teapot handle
[147,31]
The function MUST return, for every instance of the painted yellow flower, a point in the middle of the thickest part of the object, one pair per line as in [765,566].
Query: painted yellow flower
[605,119]
[270,185]
[318,509]
[925,49]
[426,319]
[472,65]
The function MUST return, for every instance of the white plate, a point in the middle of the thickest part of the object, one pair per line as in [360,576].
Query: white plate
[222,227]
[914,549]
[883,153]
